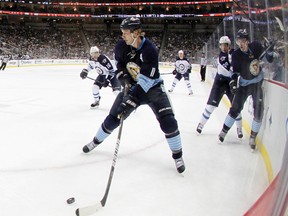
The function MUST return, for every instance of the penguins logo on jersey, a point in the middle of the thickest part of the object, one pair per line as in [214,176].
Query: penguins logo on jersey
[131,54]
[222,58]
[133,70]
[254,67]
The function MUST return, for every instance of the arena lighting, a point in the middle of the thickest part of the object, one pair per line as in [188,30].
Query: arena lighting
[258,11]
[141,3]
[123,4]
[126,15]
[112,15]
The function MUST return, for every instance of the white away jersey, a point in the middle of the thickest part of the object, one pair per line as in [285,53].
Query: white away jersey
[103,66]
[182,65]
[224,64]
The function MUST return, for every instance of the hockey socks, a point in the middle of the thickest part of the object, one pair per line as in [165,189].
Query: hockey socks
[102,133]
[174,142]
[229,121]
[100,136]
[205,117]
[255,126]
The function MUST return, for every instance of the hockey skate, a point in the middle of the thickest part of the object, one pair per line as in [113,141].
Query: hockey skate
[95,104]
[221,136]
[252,144]
[239,133]
[199,128]
[180,165]
[190,93]
[90,146]
[170,90]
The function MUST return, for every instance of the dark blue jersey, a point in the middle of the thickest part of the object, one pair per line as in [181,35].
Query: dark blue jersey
[247,63]
[143,60]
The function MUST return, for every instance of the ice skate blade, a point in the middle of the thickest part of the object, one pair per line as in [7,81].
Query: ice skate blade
[220,142]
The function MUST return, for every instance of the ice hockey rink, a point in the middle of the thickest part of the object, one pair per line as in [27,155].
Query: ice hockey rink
[45,119]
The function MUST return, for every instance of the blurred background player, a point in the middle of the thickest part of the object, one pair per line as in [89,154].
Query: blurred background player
[203,65]
[5,59]
[106,70]
[221,85]
[246,64]
[138,70]
[182,69]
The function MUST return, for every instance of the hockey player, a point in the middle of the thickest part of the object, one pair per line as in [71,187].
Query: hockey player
[221,86]
[5,59]
[245,64]
[137,69]
[203,65]
[104,67]
[182,69]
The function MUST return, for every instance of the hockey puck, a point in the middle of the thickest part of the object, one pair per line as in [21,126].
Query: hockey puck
[70,200]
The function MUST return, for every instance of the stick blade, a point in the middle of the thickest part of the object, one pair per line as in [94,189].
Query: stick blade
[88,210]
[280,24]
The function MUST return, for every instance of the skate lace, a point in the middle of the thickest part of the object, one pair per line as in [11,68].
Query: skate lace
[179,162]
[200,126]
[222,134]
[91,145]
[252,142]
[239,131]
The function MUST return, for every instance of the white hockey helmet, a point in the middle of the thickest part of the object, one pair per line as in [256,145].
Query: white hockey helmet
[94,49]
[225,40]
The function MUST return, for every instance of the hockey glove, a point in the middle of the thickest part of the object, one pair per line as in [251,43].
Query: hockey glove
[124,78]
[174,72]
[107,81]
[129,103]
[84,73]
[233,86]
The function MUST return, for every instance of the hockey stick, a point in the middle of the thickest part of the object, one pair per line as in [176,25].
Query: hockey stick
[166,73]
[90,78]
[279,47]
[91,209]
[238,5]
[265,51]
[281,26]
[95,80]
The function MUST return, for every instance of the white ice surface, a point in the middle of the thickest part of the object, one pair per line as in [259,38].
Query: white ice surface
[45,119]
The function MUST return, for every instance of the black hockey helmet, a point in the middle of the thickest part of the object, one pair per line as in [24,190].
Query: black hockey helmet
[131,23]
[242,33]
